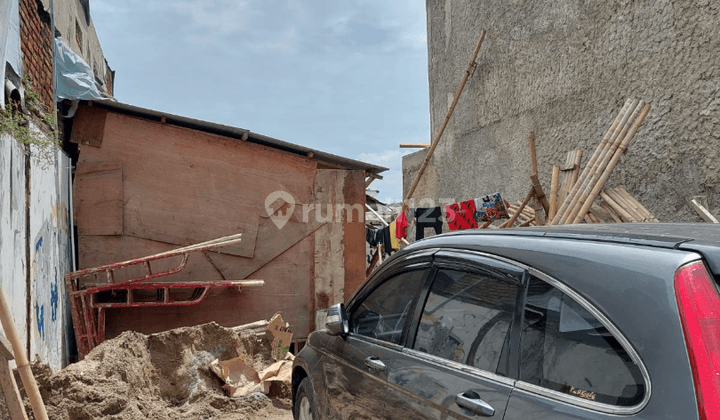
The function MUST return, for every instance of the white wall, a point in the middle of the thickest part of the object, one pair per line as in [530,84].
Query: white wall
[12,229]
[49,259]
[50,252]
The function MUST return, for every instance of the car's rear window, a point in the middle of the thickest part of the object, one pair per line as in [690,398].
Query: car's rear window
[567,349]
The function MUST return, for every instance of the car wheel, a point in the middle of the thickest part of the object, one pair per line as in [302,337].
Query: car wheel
[304,404]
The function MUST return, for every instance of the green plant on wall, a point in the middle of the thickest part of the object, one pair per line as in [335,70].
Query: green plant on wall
[34,128]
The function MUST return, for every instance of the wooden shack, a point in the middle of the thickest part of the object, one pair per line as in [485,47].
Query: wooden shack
[147,182]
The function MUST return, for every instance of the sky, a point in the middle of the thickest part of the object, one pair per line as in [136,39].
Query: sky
[346,77]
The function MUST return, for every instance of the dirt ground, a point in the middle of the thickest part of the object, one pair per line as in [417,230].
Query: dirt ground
[161,376]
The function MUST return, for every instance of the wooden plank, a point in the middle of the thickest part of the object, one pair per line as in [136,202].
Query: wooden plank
[89,126]
[702,211]
[9,388]
[414,146]
[6,348]
[353,235]
[98,198]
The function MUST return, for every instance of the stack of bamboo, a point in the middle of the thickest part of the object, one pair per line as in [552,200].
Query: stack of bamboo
[579,196]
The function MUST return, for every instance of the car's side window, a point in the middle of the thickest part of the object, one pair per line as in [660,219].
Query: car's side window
[467,317]
[566,349]
[383,313]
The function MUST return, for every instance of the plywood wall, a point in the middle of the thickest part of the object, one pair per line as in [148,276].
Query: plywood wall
[144,187]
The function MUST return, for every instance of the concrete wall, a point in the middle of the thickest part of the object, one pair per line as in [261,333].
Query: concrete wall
[35,223]
[564,68]
[74,15]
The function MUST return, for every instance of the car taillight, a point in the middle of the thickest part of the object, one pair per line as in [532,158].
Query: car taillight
[699,305]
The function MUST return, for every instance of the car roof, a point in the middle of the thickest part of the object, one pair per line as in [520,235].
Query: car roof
[698,237]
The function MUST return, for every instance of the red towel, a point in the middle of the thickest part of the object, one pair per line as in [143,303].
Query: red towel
[401,226]
[461,215]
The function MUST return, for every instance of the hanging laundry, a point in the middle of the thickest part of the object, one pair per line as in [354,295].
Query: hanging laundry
[427,217]
[393,236]
[401,225]
[461,215]
[489,208]
[384,239]
[371,237]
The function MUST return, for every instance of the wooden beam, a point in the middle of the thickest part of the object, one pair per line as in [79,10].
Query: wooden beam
[21,360]
[9,389]
[470,70]
[5,348]
[414,146]
[702,211]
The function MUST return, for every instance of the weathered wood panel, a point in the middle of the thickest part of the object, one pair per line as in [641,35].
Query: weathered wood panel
[354,233]
[89,126]
[182,186]
[98,198]
[287,289]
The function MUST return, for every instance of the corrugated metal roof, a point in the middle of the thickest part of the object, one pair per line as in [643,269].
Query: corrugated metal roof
[239,133]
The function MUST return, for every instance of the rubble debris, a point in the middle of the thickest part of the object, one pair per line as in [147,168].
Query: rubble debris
[241,379]
[160,376]
[282,336]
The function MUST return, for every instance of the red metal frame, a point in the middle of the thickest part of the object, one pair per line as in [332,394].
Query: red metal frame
[88,314]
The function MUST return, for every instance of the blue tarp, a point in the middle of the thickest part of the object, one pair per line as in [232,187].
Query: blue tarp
[75,79]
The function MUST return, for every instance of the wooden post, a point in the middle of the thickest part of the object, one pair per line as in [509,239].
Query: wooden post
[512,220]
[611,165]
[539,193]
[21,360]
[470,70]
[554,191]
[8,386]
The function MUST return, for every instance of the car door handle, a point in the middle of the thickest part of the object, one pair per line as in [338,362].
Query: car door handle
[471,401]
[374,363]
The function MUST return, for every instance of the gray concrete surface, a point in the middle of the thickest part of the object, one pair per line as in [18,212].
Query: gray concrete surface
[564,68]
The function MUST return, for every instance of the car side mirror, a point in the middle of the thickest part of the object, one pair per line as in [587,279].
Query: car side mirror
[336,321]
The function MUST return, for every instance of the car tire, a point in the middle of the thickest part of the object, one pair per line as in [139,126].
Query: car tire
[304,402]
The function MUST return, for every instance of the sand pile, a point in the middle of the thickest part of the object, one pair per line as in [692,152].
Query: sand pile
[160,376]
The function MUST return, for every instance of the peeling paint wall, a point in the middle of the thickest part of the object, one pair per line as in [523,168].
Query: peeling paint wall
[38,301]
[12,229]
[50,259]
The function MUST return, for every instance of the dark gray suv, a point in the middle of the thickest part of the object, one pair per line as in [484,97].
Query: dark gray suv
[569,322]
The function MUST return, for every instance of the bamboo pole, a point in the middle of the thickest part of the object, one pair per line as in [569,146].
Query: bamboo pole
[576,167]
[485,225]
[414,146]
[626,204]
[603,159]
[622,213]
[21,360]
[615,159]
[619,120]
[565,177]
[610,212]
[649,217]
[554,191]
[470,70]
[524,203]
[527,223]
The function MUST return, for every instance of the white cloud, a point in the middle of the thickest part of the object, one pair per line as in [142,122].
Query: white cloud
[219,16]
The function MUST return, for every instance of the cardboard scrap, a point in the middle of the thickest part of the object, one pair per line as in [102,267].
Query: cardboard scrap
[282,336]
[241,379]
